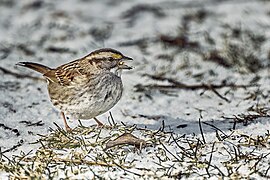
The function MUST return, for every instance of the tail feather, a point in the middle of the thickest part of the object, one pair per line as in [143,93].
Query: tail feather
[35,66]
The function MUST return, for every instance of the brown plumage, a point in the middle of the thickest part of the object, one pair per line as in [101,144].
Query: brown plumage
[85,88]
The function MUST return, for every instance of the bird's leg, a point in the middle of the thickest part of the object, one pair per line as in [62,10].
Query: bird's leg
[65,122]
[98,122]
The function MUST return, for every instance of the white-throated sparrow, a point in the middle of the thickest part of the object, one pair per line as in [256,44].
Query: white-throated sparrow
[87,87]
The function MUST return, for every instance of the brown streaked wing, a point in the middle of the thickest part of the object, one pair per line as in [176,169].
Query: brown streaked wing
[65,74]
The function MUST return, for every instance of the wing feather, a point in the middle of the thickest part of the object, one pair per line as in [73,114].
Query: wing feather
[65,74]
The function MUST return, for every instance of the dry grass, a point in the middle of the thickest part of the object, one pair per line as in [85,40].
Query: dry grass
[168,155]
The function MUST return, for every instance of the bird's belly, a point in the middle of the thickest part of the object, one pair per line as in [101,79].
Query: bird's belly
[90,102]
[94,105]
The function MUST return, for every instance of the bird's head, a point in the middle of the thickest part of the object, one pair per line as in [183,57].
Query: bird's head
[108,59]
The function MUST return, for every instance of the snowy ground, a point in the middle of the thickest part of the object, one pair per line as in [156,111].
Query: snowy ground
[206,60]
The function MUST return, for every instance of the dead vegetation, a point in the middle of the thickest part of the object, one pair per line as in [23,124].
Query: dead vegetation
[103,150]
[124,150]
[174,84]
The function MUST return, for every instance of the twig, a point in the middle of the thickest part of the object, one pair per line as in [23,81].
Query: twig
[200,126]
[20,143]
[214,166]
[196,150]
[266,172]
[163,126]
[210,159]
[234,124]
[113,122]
[80,123]
[16,131]
[261,157]
[28,123]
[235,153]
[217,93]
[122,167]
[170,152]
[181,148]
[215,128]
[178,85]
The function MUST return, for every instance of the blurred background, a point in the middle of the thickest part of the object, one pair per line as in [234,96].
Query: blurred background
[193,59]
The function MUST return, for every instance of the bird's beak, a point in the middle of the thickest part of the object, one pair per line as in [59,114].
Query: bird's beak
[123,65]
[125,58]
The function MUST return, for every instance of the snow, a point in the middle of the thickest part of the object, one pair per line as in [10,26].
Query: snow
[30,28]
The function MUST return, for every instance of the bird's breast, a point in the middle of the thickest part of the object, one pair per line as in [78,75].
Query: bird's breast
[89,98]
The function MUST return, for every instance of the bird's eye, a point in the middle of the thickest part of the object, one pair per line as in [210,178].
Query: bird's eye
[121,63]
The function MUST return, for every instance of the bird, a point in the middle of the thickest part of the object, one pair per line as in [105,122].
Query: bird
[86,87]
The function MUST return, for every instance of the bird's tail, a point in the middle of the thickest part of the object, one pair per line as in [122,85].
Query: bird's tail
[35,66]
